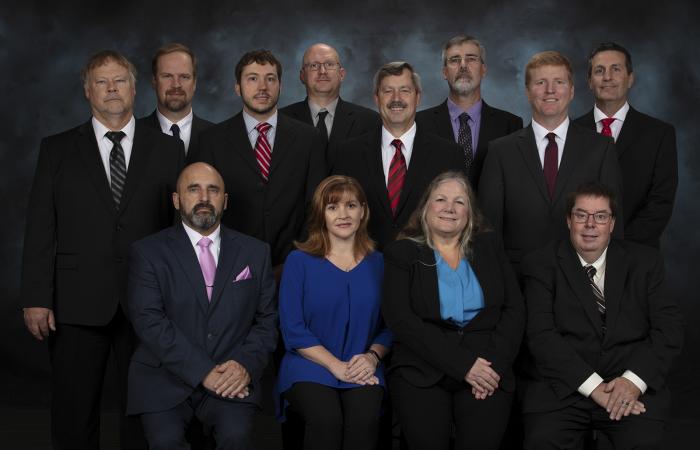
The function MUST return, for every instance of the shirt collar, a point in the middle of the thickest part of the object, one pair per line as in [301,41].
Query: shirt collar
[599,263]
[315,109]
[166,124]
[251,122]
[195,236]
[406,138]
[455,110]
[541,132]
[620,115]
[100,130]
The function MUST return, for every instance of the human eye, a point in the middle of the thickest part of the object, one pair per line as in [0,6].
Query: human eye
[454,60]
[471,59]
[331,207]
[314,66]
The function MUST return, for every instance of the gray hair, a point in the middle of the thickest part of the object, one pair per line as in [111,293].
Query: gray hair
[463,39]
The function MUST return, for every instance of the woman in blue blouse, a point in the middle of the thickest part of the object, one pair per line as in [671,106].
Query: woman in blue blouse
[453,303]
[330,297]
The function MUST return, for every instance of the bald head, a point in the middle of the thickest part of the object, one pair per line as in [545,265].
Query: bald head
[321,73]
[200,198]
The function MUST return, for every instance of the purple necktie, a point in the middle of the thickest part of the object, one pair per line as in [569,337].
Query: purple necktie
[207,264]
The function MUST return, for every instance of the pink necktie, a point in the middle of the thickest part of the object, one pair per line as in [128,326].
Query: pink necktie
[551,163]
[606,130]
[263,151]
[397,173]
[207,264]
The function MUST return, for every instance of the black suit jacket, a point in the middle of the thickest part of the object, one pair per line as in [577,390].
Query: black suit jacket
[361,158]
[564,329]
[198,125]
[182,334]
[646,149]
[271,211]
[425,346]
[76,242]
[513,194]
[495,123]
[350,120]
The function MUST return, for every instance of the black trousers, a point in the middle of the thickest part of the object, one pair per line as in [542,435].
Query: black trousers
[79,357]
[431,416]
[346,419]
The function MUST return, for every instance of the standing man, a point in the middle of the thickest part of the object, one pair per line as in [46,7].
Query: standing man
[270,163]
[526,176]
[465,117]
[646,147]
[174,79]
[396,161]
[602,333]
[337,120]
[202,301]
[97,188]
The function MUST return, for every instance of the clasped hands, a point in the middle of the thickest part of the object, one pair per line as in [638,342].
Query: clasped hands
[482,378]
[228,379]
[359,370]
[619,398]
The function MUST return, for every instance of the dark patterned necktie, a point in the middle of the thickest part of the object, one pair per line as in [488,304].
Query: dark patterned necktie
[597,293]
[551,160]
[117,165]
[321,124]
[606,130]
[464,139]
[263,151]
[397,174]
[176,131]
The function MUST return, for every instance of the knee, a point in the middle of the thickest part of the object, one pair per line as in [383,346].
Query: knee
[234,437]
[328,419]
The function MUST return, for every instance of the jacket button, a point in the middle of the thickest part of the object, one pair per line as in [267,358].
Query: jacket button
[210,336]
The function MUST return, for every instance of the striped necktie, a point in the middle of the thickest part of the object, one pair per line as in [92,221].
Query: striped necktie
[263,150]
[117,166]
[597,293]
[397,175]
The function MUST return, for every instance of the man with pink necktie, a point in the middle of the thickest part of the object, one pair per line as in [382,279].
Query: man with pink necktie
[202,302]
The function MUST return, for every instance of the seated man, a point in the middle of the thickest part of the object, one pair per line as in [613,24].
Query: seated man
[602,333]
[202,301]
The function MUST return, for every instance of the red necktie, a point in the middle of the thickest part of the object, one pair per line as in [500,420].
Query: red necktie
[397,174]
[607,131]
[263,151]
[551,159]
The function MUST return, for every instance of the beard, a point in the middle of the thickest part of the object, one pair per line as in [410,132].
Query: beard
[261,109]
[200,221]
[463,85]
[176,103]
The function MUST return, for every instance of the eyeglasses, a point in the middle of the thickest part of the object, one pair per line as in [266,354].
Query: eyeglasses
[601,218]
[457,60]
[329,66]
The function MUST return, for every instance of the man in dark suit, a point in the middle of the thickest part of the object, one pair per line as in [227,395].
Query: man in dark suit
[526,175]
[97,188]
[465,117]
[602,333]
[646,147]
[396,162]
[202,301]
[271,163]
[174,68]
[322,74]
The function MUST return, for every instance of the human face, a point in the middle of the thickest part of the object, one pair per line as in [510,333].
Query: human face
[549,92]
[174,82]
[609,80]
[397,100]
[200,197]
[448,210]
[322,82]
[590,238]
[110,90]
[343,217]
[259,88]
[464,77]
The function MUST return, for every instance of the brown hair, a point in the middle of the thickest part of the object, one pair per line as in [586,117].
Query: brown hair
[103,57]
[260,56]
[548,58]
[396,68]
[591,189]
[331,190]
[172,48]
[610,46]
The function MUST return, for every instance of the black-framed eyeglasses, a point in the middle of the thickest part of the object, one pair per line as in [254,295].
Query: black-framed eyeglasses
[601,218]
[329,66]
[457,60]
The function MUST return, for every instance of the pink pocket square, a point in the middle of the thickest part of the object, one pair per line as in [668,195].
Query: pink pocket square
[244,275]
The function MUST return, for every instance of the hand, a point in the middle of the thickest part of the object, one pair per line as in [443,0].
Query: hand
[361,368]
[623,394]
[479,395]
[601,397]
[39,321]
[482,377]
[233,380]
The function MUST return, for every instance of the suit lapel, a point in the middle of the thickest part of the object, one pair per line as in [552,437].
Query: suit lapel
[482,269]
[572,155]
[138,164]
[443,123]
[615,278]
[485,130]
[227,256]
[185,254]
[419,159]
[240,144]
[342,122]
[528,151]
[375,169]
[630,130]
[90,153]
[431,291]
[284,140]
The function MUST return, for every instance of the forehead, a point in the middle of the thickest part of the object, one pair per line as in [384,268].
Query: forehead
[591,203]
[341,196]
[398,80]
[259,69]
[321,53]
[450,188]
[465,48]
[179,60]
[549,71]
[608,57]
[203,176]
[109,69]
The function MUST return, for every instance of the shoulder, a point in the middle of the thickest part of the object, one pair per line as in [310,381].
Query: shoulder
[150,120]
[501,114]
[544,256]
[647,122]
[401,249]
[295,109]
[215,131]
[151,243]
[357,109]
[431,112]
[637,254]
[585,120]
[587,135]
[426,137]
[201,123]
[288,123]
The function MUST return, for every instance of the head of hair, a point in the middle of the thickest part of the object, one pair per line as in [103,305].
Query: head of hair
[396,68]
[260,56]
[332,190]
[462,39]
[610,46]
[172,48]
[416,228]
[548,58]
[591,189]
[103,57]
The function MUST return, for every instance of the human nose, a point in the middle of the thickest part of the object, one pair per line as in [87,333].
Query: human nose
[607,75]
[549,87]
[111,86]
[590,221]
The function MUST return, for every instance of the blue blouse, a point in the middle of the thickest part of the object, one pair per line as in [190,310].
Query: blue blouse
[461,297]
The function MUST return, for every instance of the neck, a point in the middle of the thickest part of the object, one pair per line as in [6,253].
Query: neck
[174,116]
[445,243]
[550,123]
[322,100]
[591,257]
[114,123]
[609,108]
[341,247]
[398,130]
[260,117]
[466,101]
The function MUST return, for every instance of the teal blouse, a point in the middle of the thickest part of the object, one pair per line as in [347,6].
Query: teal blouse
[461,297]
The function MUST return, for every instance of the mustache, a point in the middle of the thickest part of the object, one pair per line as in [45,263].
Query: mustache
[199,206]
[175,91]
[397,103]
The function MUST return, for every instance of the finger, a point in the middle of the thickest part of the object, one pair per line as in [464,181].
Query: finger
[233,388]
[52,321]
[617,410]
[489,380]
[610,386]
[224,381]
[628,409]
[33,328]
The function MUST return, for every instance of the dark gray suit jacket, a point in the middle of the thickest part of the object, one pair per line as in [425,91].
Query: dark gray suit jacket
[198,125]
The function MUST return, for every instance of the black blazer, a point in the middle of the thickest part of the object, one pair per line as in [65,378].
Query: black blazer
[564,329]
[646,149]
[495,123]
[513,194]
[361,158]
[198,125]
[427,347]
[76,242]
[350,120]
[271,211]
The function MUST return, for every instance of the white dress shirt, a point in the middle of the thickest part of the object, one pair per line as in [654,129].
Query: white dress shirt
[542,141]
[315,109]
[185,125]
[388,150]
[616,126]
[251,123]
[105,145]
[215,245]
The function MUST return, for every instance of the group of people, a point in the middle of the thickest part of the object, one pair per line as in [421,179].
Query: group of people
[448,267]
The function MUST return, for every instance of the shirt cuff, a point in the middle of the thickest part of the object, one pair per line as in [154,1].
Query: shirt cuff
[641,385]
[588,386]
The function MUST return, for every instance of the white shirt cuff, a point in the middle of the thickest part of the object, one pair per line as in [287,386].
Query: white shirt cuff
[641,385]
[588,386]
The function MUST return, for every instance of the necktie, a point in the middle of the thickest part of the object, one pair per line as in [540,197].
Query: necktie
[551,157]
[599,297]
[321,124]
[464,139]
[176,131]
[263,151]
[606,130]
[207,264]
[397,174]
[117,165]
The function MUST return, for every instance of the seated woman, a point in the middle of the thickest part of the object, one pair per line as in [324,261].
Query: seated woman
[330,297]
[453,303]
